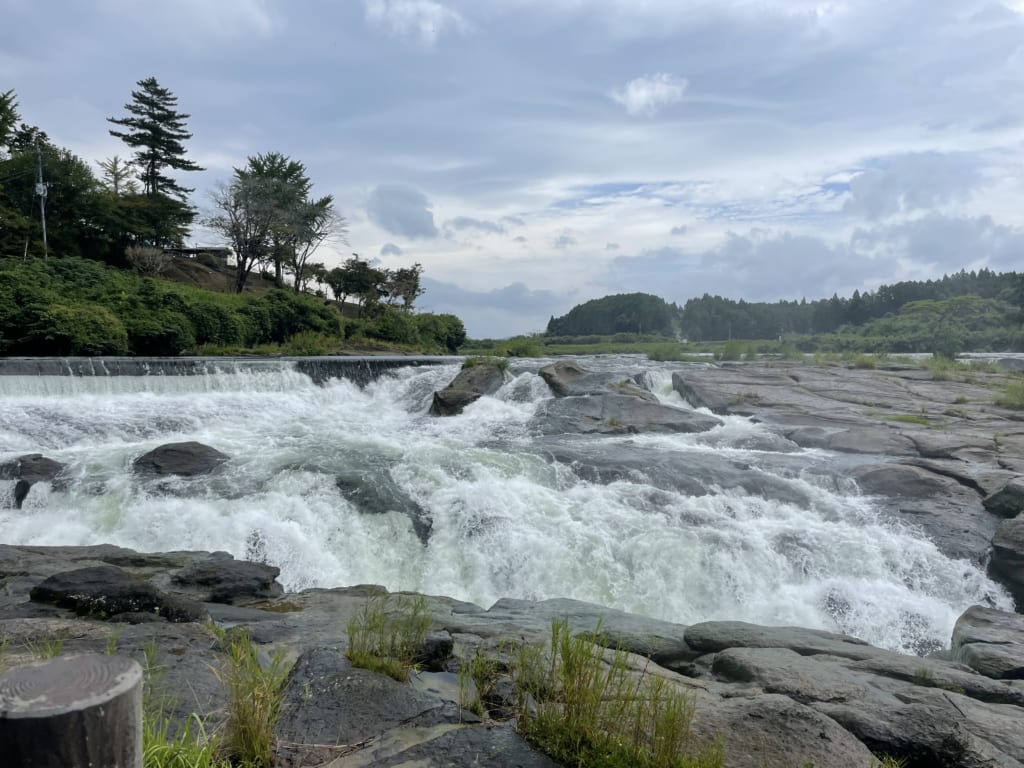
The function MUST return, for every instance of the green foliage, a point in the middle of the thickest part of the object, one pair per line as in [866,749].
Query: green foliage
[583,706]
[392,324]
[311,343]
[444,331]
[732,351]
[256,693]
[523,346]
[188,746]
[622,313]
[910,418]
[61,329]
[1013,395]
[477,677]
[476,360]
[387,638]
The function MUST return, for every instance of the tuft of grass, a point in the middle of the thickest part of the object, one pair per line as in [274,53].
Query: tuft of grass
[115,635]
[884,761]
[186,747]
[865,362]
[3,652]
[256,693]
[478,360]
[388,639]
[311,344]
[1013,395]
[584,708]
[477,677]
[46,647]
[910,418]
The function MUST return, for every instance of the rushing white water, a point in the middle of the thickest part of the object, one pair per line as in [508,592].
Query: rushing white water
[506,520]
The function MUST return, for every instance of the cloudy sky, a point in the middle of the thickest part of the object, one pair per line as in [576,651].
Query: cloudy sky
[532,154]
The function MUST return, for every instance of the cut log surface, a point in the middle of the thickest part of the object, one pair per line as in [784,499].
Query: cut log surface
[72,712]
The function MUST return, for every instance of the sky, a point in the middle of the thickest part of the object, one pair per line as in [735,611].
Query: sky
[534,154]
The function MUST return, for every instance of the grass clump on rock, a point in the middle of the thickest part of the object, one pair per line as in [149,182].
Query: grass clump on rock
[387,639]
[582,705]
[1013,395]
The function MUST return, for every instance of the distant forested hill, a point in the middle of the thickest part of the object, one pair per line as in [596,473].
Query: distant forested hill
[879,312]
[622,313]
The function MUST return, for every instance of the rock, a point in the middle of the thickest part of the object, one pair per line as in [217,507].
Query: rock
[947,512]
[185,459]
[701,395]
[771,730]
[374,492]
[28,470]
[569,380]
[1008,501]
[991,642]
[467,387]
[435,651]
[617,414]
[1008,552]
[222,579]
[714,636]
[330,706]
[104,590]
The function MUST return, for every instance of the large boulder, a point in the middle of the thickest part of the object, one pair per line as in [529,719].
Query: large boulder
[467,387]
[1008,553]
[222,579]
[990,642]
[1008,501]
[104,591]
[567,379]
[184,459]
[617,414]
[369,486]
[28,470]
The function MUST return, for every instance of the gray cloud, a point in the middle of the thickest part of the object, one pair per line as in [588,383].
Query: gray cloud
[390,249]
[611,246]
[465,222]
[564,241]
[401,210]
[911,182]
[519,239]
[498,313]
[678,230]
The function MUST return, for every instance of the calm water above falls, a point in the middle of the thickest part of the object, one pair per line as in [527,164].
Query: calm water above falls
[507,521]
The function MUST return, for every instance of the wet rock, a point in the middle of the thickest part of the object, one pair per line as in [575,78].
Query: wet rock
[104,590]
[775,730]
[467,387]
[617,414]
[991,642]
[1008,553]
[222,579]
[184,459]
[435,651]
[330,707]
[28,470]
[1007,501]
[570,380]
[369,486]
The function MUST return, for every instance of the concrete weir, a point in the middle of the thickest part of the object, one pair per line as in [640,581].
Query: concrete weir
[358,369]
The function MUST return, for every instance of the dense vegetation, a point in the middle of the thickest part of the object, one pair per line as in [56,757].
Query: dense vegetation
[80,307]
[967,311]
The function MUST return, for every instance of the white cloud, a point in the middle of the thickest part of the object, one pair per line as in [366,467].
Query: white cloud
[423,20]
[649,94]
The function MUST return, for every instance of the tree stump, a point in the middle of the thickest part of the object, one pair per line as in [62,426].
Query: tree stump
[72,712]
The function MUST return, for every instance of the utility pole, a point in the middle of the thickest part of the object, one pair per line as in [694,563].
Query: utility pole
[41,191]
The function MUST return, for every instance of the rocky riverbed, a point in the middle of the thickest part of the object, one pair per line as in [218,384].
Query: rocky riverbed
[938,453]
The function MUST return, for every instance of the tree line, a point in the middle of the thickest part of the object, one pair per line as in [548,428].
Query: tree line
[267,211]
[714,318]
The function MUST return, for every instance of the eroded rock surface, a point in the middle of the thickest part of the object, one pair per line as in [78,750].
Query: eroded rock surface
[468,386]
[183,459]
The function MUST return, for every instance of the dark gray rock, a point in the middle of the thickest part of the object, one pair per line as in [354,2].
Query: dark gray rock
[469,385]
[222,579]
[1008,501]
[435,651]
[104,590]
[771,730]
[714,636]
[1008,553]
[184,459]
[570,380]
[28,470]
[330,707]
[369,485]
[991,642]
[616,414]
[701,395]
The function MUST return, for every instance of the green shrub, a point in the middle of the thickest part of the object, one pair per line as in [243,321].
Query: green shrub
[162,333]
[445,331]
[1013,395]
[215,324]
[731,351]
[81,329]
[475,360]
[392,324]
[523,346]
[310,344]
[583,706]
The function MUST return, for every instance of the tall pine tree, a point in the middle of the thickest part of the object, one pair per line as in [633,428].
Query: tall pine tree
[155,129]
